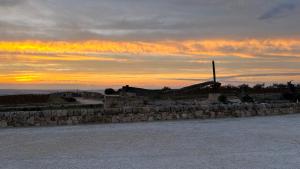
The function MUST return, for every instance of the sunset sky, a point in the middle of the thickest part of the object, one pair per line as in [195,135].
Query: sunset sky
[95,44]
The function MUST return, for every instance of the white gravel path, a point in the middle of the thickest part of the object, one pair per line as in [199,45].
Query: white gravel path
[247,143]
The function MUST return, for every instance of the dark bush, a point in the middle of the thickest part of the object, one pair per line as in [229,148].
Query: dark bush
[69,99]
[247,98]
[222,99]
[293,97]
[110,91]
[291,87]
[166,88]
[279,86]
[259,86]
[244,87]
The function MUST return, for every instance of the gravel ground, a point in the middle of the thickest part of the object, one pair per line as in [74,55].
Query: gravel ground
[259,142]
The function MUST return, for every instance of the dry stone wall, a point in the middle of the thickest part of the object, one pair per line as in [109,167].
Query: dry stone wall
[138,114]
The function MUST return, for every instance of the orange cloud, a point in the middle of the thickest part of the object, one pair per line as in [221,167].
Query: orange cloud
[59,62]
[240,48]
[66,57]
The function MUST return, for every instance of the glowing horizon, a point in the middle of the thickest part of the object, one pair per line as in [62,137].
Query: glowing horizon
[100,44]
[57,55]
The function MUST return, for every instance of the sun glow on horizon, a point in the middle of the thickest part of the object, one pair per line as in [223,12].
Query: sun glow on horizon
[160,63]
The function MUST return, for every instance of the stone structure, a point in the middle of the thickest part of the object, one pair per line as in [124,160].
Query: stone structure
[86,115]
[113,101]
[213,97]
[126,99]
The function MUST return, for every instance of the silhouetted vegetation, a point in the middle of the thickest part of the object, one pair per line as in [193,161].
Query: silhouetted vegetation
[70,99]
[201,90]
[244,88]
[292,94]
[110,91]
[166,89]
[247,99]
[223,99]
[259,86]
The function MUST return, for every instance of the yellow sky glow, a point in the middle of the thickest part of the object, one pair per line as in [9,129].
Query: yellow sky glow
[240,48]
[56,62]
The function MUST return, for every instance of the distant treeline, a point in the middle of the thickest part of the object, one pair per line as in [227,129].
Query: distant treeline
[258,88]
[262,88]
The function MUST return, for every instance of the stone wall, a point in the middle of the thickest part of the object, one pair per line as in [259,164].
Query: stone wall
[87,115]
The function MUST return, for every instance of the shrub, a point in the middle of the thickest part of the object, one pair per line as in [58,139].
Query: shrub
[110,91]
[291,97]
[244,87]
[222,99]
[247,98]
[259,86]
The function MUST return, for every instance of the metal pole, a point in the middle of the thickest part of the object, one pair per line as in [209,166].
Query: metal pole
[214,71]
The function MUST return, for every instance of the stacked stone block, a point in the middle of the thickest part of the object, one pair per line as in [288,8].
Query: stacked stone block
[86,115]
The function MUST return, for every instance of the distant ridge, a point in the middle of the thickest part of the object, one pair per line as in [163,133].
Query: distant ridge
[4,92]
